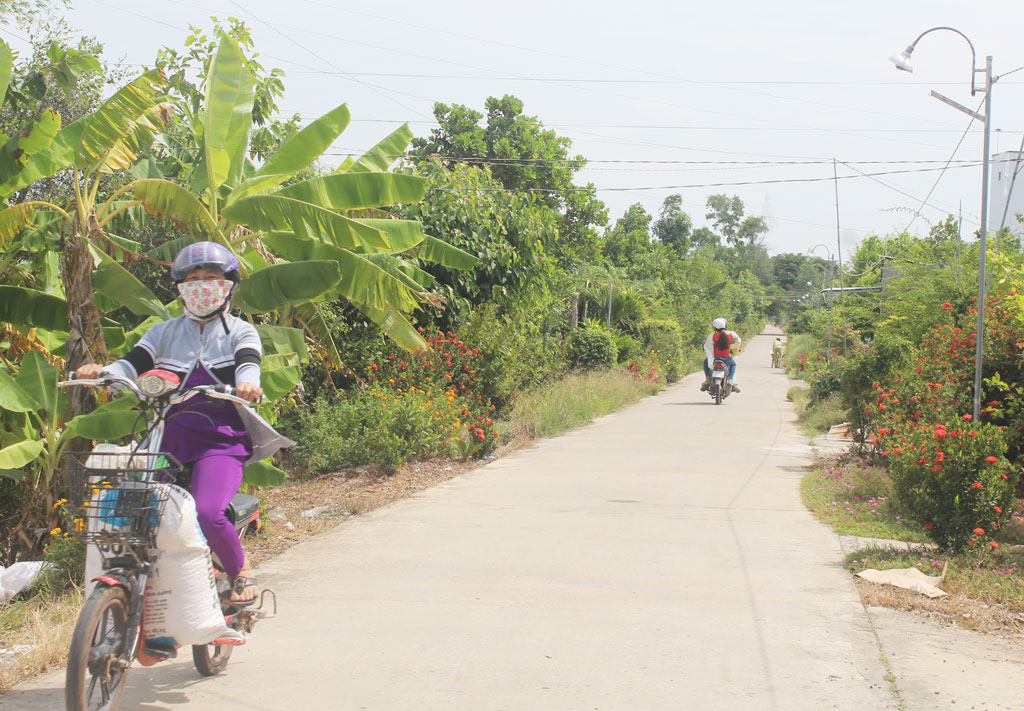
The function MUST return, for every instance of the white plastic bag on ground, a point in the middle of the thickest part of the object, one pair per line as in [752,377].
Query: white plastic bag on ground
[18,577]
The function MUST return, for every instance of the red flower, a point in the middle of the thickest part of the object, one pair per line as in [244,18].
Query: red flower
[976,485]
[979,531]
[997,509]
[968,417]
[991,460]
[937,468]
[373,366]
[972,434]
[993,544]
[929,526]
[1004,477]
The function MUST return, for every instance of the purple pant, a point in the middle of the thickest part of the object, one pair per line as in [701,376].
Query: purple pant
[215,479]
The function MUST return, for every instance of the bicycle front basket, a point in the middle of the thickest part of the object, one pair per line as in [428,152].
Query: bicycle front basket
[117,498]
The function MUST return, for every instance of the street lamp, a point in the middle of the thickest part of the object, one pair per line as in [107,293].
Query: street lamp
[902,62]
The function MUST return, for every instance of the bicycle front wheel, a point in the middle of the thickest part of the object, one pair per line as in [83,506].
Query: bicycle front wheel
[97,662]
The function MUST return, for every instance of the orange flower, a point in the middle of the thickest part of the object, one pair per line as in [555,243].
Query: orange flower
[979,531]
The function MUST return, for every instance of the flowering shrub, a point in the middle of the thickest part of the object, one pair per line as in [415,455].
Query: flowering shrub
[413,406]
[953,479]
[644,367]
[950,472]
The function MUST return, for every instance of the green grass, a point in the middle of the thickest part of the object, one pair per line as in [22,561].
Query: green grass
[573,401]
[855,498]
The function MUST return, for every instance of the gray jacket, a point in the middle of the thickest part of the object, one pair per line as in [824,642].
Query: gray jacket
[232,356]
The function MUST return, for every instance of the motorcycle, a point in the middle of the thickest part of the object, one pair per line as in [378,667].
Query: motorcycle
[721,383]
[118,501]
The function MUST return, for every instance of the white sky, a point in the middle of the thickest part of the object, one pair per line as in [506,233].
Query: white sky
[664,81]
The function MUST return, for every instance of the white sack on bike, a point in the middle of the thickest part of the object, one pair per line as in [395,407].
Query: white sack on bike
[181,594]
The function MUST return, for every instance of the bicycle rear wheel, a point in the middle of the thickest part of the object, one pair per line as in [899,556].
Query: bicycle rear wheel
[211,659]
[96,662]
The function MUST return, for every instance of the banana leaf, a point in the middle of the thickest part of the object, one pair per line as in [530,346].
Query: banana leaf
[110,421]
[25,307]
[13,220]
[112,133]
[397,328]
[277,212]
[434,250]
[14,457]
[39,379]
[26,143]
[115,282]
[227,116]
[285,340]
[278,382]
[353,191]
[379,158]
[362,281]
[263,473]
[287,283]
[59,156]
[170,201]
[307,145]
[15,398]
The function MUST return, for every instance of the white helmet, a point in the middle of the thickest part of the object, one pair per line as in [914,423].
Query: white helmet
[719,323]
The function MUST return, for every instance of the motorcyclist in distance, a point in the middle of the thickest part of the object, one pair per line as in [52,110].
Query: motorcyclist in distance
[719,345]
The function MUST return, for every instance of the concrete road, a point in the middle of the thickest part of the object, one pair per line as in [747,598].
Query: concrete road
[659,558]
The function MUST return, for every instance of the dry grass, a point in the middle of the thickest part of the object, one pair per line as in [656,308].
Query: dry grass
[42,628]
[957,609]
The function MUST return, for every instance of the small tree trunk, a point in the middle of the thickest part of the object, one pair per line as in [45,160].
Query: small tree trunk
[85,338]
[574,313]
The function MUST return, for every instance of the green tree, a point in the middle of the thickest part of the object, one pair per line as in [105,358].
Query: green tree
[726,214]
[629,238]
[522,156]
[673,226]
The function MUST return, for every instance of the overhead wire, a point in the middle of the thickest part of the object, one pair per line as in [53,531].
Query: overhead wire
[956,148]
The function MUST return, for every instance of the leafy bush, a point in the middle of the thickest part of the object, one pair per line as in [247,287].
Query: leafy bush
[518,348]
[591,349]
[626,347]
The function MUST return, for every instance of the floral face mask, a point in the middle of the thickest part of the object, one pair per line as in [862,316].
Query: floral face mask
[203,297]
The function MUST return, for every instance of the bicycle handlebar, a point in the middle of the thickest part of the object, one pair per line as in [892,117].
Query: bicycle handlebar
[218,392]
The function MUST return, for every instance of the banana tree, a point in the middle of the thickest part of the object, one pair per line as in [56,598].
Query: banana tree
[35,434]
[96,145]
[301,242]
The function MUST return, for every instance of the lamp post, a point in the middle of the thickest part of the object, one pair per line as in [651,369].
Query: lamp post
[902,62]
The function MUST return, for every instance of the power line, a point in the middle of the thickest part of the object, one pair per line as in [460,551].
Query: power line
[705,185]
[917,213]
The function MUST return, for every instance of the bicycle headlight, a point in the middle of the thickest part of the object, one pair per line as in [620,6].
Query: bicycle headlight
[154,383]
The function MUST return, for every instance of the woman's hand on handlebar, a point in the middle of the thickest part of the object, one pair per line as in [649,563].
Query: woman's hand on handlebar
[89,371]
[248,391]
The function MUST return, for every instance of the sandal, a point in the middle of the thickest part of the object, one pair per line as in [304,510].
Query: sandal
[238,585]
